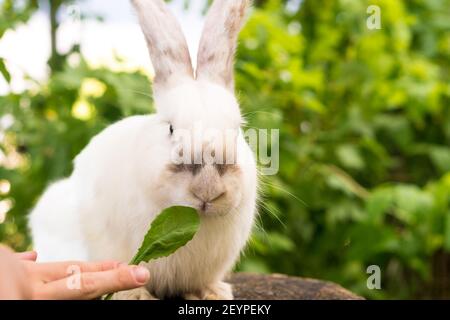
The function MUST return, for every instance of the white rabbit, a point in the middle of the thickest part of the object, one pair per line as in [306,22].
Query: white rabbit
[126,175]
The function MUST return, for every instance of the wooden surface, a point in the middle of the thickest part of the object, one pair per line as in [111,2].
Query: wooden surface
[248,286]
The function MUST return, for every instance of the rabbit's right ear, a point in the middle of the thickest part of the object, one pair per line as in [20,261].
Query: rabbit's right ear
[219,41]
[166,43]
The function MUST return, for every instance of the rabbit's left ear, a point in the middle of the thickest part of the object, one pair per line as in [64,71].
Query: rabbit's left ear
[215,60]
[166,43]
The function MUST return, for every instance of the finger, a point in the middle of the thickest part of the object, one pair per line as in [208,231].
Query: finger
[29,255]
[4,249]
[91,285]
[58,270]
[14,282]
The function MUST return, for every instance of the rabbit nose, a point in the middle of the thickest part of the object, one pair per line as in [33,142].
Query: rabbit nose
[207,185]
[208,191]
[207,198]
[216,196]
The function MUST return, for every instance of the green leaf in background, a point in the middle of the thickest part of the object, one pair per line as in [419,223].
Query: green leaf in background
[441,158]
[4,71]
[350,157]
[171,229]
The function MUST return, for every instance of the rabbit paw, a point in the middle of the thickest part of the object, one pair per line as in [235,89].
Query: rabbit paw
[134,294]
[218,291]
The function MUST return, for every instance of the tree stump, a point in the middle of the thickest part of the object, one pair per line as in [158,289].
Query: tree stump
[250,286]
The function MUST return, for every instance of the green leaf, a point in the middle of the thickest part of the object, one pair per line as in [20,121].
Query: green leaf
[378,203]
[171,229]
[4,71]
[441,158]
[350,157]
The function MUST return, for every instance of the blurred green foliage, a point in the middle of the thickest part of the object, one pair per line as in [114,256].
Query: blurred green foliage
[364,123]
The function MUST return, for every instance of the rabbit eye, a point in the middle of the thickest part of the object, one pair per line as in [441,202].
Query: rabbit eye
[171,129]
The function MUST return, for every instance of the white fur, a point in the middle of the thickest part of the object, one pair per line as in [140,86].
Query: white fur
[121,181]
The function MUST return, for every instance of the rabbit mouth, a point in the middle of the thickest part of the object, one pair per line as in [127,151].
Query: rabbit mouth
[209,209]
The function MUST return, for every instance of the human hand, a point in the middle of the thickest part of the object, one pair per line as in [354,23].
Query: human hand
[73,279]
[13,277]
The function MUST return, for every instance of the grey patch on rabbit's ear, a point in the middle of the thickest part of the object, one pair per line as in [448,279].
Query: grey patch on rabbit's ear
[219,41]
[166,43]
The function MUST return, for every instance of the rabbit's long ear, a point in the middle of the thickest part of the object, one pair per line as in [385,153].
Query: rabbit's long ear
[166,43]
[219,41]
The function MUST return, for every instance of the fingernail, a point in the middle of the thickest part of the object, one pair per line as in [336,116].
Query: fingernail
[141,274]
